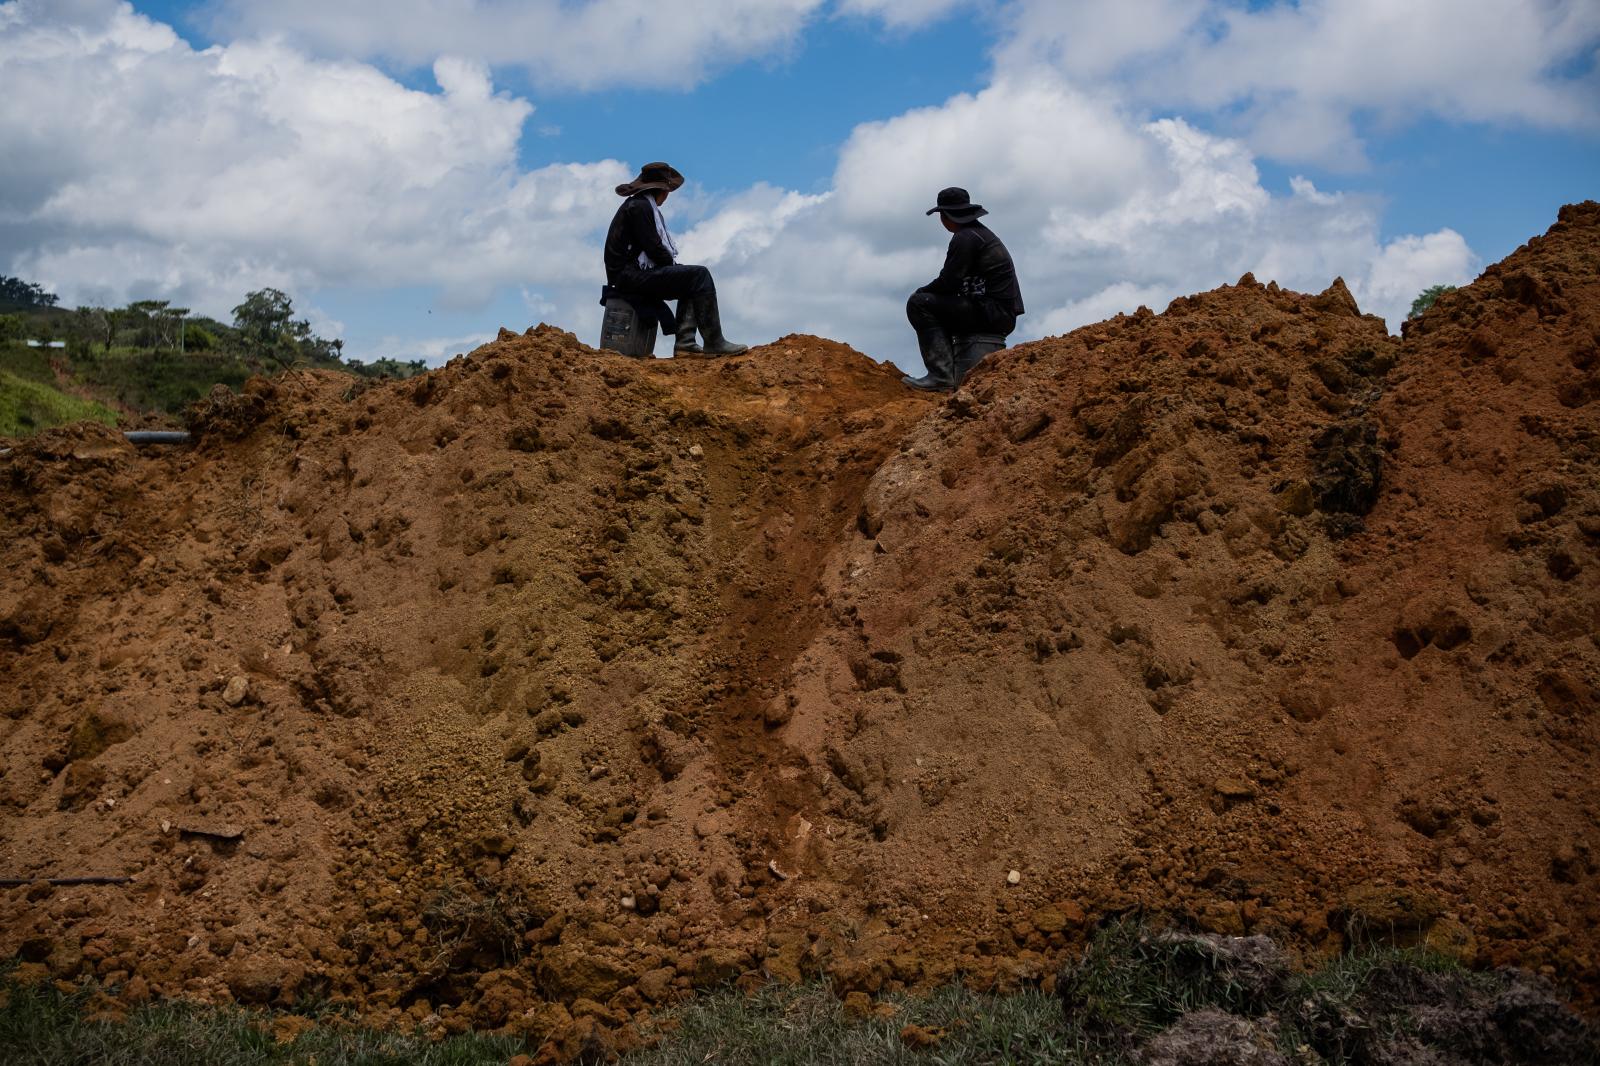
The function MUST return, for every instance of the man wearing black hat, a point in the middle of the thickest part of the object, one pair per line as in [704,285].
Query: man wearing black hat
[641,263]
[976,292]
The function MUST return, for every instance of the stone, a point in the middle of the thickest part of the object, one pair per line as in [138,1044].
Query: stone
[235,692]
[1014,878]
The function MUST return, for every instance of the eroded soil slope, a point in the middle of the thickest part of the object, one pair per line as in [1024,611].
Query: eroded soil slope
[556,684]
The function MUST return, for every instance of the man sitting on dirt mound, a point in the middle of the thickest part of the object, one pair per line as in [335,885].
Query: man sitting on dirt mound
[976,292]
[641,260]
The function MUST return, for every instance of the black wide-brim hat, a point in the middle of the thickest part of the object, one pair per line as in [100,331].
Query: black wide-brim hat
[652,176]
[956,204]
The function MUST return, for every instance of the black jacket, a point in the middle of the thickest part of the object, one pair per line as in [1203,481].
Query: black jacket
[633,230]
[979,266]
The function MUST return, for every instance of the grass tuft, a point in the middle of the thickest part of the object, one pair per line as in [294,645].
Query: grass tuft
[1132,981]
[807,1026]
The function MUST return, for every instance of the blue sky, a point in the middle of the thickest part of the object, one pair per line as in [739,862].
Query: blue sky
[416,178]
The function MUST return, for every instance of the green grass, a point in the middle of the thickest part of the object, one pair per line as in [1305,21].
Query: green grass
[27,406]
[158,380]
[30,363]
[807,1027]
[1130,984]
[145,380]
[41,1026]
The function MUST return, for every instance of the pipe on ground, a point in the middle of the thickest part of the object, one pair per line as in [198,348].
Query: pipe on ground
[143,436]
[156,436]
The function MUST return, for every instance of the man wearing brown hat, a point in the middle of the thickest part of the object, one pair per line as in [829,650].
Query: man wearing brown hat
[642,263]
[975,293]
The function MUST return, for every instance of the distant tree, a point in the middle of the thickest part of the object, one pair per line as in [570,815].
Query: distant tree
[1426,299]
[19,295]
[143,316]
[156,323]
[12,328]
[386,368]
[264,316]
[89,326]
[86,327]
[267,325]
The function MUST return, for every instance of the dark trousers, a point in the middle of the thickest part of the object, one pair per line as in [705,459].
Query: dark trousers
[677,282]
[958,315]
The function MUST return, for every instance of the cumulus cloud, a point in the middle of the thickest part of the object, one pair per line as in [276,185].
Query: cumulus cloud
[1407,265]
[602,43]
[139,166]
[1291,78]
[1147,211]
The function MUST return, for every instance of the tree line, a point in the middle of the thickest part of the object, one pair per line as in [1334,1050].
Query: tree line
[265,334]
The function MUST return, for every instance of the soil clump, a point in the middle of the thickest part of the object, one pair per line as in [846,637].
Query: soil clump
[538,691]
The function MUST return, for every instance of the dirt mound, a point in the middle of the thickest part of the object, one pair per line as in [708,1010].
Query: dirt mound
[544,688]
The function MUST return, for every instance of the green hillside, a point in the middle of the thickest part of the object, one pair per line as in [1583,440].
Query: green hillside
[29,406]
[148,358]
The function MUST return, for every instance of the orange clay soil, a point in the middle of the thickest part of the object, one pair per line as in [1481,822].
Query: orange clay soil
[540,690]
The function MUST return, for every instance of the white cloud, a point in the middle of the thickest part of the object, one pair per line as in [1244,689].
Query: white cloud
[1101,213]
[1292,78]
[1091,39]
[132,165]
[1020,142]
[745,225]
[1118,298]
[1407,265]
[596,44]
[431,350]
[901,14]
[135,165]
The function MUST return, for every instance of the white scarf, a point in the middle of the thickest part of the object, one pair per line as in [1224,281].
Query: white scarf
[661,231]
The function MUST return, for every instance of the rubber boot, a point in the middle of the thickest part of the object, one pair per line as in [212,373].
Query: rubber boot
[709,318]
[939,358]
[685,344]
[965,362]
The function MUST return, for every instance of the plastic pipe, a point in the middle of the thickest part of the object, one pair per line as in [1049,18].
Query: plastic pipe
[156,436]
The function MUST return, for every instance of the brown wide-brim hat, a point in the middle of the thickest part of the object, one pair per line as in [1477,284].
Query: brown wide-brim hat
[957,205]
[652,176]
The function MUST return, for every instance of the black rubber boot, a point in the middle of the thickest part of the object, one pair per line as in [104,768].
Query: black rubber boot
[685,344]
[966,361]
[939,358]
[709,318]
